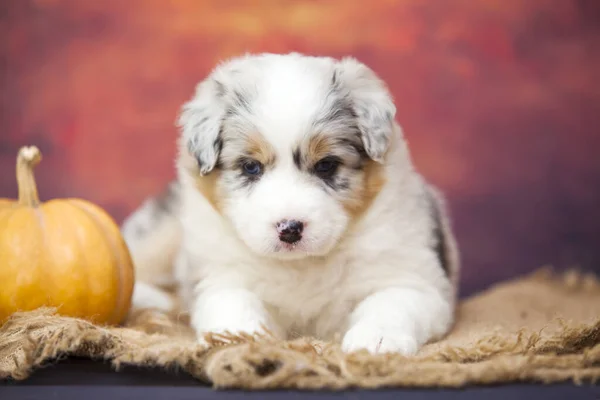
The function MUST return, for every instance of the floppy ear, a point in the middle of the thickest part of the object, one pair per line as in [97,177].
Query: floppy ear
[200,122]
[372,104]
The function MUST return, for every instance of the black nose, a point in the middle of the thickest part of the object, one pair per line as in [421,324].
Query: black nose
[290,231]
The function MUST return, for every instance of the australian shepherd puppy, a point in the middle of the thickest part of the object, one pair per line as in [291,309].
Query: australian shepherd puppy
[297,210]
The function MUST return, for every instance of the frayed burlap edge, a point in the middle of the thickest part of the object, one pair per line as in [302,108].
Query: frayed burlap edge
[572,353]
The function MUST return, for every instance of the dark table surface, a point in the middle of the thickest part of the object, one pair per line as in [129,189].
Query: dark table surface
[90,380]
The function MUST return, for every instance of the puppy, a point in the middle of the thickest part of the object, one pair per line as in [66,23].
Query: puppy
[297,210]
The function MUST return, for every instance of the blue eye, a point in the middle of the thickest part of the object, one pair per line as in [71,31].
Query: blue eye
[252,167]
[326,166]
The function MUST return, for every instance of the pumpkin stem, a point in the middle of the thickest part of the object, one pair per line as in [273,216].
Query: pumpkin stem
[27,159]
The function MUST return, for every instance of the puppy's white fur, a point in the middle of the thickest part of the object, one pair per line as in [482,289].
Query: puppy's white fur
[381,277]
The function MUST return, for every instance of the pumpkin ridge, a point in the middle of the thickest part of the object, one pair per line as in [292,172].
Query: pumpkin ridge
[20,212]
[47,271]
[77,203]
[84,257]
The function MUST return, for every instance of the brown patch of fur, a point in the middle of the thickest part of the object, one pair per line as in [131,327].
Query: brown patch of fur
[319,146]
[206,185]
[373,181]
[259,149]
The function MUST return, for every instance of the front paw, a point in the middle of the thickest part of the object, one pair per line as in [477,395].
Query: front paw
[378,339]
[249,328]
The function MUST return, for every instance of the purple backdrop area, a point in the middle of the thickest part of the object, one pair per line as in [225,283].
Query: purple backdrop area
[500,101]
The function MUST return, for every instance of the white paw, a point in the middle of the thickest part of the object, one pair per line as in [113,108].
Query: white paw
[377,340]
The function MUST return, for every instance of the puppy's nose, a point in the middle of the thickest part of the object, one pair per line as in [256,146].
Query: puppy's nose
[290,231]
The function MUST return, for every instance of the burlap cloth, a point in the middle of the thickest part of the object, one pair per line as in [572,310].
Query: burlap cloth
[542,327]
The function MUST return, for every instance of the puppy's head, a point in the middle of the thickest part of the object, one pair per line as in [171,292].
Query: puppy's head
[288,148]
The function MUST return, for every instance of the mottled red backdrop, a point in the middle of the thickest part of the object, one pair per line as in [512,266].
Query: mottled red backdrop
[500,101]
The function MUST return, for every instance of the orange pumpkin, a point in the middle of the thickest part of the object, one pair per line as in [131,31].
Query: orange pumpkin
[64,253]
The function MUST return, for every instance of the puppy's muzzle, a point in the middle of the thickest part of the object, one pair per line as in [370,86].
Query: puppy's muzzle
[290,231]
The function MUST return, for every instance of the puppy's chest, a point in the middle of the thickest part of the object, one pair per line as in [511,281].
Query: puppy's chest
[312,302]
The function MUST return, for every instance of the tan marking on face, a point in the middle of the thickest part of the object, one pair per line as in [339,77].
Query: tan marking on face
[373,182]
[257,148]
[206,185]
[319,146]
[373,177]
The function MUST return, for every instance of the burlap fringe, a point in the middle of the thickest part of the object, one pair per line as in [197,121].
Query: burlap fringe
[571,352]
